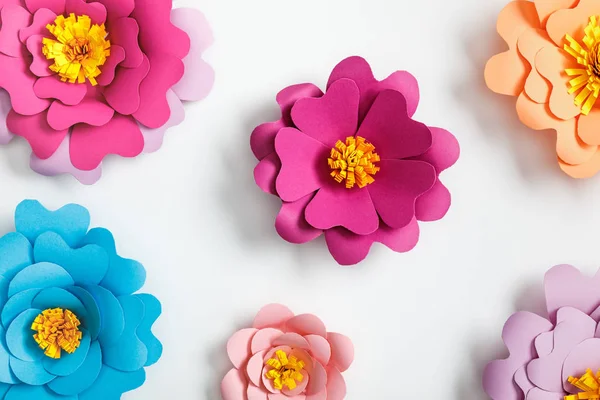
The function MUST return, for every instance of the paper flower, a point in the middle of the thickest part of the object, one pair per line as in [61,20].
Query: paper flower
[352,163]
[553,67]
[286,356]
[92,78]
[555,356]
[70,325]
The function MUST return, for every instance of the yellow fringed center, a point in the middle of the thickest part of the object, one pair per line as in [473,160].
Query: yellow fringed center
[585,80]
[354,162]
[57,329]
[589,384]
[285,371]
[79,50]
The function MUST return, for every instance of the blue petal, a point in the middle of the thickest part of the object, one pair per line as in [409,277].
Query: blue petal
[87,265]
[83,378]
[69,363]
[59,298]
[40,276]
[19,337]
[111,315]
[129,353]
[3,389]
[17,304]
[30,372]
[91,321]
[15,254]
[26,392]
[123,276]
[111,384]
[152,310]
[6,375]
[71,221]
[3,291]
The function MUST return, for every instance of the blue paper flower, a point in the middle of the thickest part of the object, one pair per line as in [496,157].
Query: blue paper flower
[69,288]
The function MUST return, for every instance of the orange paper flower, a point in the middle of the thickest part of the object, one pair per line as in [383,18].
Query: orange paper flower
[553,67]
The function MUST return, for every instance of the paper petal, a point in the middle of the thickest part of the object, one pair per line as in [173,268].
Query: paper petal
[112,384]
[118,8]
[238,346]
[153,138]
[88,112]
[21,345]
[22,392]
[124,92]
[41,18]
[319,348]
[56,6]
[13,19]
[265,173]
[318,379]
[5,107]
[233,386]
[15,254]
[124,32]
[40,276]
[566,286]
[291,223]
[336,385]
[83,378]
[342,351]
[18,81]
[272,316]
[111,315]
[96,11]
[152,310]
[92,320]
[291,339]
[306,324]
[51,87]
[67,364]
[255,366]
[109,69]
[263,339]
[30,372]
[57,297]
[18,304]
[585,356]
[40,64]
[43,139]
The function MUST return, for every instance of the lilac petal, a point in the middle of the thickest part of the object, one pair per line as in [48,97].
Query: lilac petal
[5,107]
[585,355]
[153,138]
[566,286]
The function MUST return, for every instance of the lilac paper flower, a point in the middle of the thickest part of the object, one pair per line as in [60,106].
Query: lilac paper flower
[352,164]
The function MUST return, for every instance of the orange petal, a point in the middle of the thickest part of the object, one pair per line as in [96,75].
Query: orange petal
[505,73]
[588,127]
[551,63]
[529,44]
[581,171]
[545,8]
[571,21]
[535,115]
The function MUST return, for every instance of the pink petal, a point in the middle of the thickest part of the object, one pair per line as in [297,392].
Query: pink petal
[256,393]
[585,355]
[233,386]
[279,396]
[336,385]
[444,150]
[518,334]
[255,366]
[51,87]
[271,352]
[433,204]
[117,54]
[319,348]
[238,347]
[35,129]
[332,117]
[300,388]
[392,131]
[123,94]
[291,339]
[334,205]
[396,188]
[348,248]
[56,6]
[566,286]
[165,71]
[262,140]
[90,144]
[272,316]
[16,79]
[306,324]
[265,173]
[124,32]
[14,18]
[89,111]
[268,384]
[291,224]
[358,69]
[60,163]
[318,379]
[40,64]
[153,138]
[303,164]
[41,18]
[5,107]
[342,351]
[303,356]
[322,395]
[96,11]
[118,8]
[263,339]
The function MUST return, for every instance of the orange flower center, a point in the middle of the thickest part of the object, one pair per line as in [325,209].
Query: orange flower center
[354,162]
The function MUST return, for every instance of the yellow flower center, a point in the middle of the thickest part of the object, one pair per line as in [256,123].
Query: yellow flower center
[79,50]
[285,371]
[585,80]
[589,384]
[57,329]
[354,162]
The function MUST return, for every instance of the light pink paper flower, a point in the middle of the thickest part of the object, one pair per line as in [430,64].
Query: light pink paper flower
[155,63]
[302,340]
[403,186]
[545,351]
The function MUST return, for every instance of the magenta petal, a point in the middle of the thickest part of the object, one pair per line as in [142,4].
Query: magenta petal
[40,64]
[334,205]
[5,107]
[124,32]
[585,355]
[444,150]
[35,129]
[392,131]
[56,6]
[51,87]
[233,386]
[96,11]
[265,173]
[433,204]
[291,224]
[262,140]
[565,286]
[89,111]
[117,54]
[41,18]
[14,18]
[90,144]
[348,248]
[165,71]
[303,164]
[123,94]
[518,334]
[396,188]
[153,138]
[16,79]
[118,8]
[332,117]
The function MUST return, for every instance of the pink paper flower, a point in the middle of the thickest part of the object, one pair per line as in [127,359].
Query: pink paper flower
[352,163]
[556,356]
[92,78]
[286,356]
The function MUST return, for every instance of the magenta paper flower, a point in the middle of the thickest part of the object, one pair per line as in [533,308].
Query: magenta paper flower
[83,79]
[352,163]
[555,356]
[286,356]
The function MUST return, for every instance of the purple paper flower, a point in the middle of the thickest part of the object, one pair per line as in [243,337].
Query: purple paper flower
[553,357]
[352,163]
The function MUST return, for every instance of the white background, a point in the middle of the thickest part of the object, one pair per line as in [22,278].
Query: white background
[424,323]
